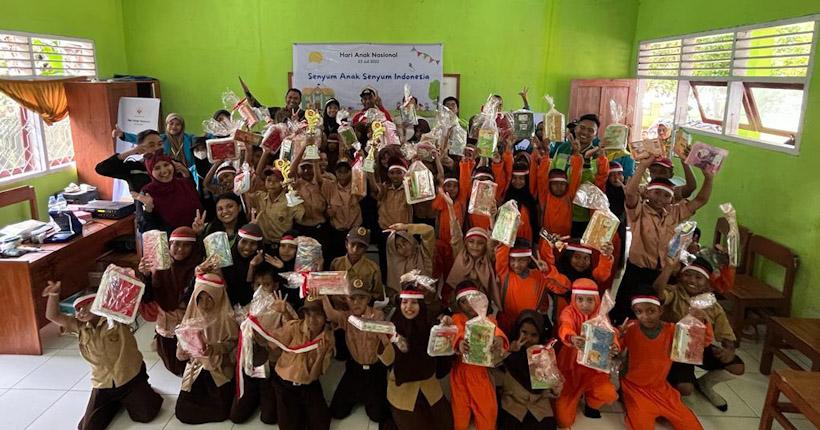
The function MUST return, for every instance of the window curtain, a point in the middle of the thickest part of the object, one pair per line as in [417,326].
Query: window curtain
[47,98]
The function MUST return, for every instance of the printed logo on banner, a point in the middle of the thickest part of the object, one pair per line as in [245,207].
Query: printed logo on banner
[342,71]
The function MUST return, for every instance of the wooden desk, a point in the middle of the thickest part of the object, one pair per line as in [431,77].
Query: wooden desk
[802,334]
[801,388]
[22,280]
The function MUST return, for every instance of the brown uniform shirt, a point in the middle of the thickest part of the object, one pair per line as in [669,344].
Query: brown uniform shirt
[364,274]
[273,214]
[167,322]
[652,230]
[393,207]
[342,206]
[315,203]
[363,346]
[676,306]
[306,367]
[403,397]
[517,400]
[112,353]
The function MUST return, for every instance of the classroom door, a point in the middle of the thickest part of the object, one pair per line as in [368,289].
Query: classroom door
[593,96]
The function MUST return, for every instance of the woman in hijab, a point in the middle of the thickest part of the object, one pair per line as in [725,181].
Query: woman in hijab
[522,407]
[413,390]
[171,199]
[207,388]
[245,253]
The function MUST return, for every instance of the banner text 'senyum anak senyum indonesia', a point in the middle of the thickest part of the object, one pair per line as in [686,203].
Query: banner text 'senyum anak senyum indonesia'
[342,71]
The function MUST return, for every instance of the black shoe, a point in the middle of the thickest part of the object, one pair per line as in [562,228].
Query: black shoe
[591,413]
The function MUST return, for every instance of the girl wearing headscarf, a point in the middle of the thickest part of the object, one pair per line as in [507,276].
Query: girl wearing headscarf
[175,142]
[207,384]
[413,390]
[409,247]
[246,253]
[522,407]
[330,125]
[592,384]
[168,288]
[472,261]
[522,190]
[171,199]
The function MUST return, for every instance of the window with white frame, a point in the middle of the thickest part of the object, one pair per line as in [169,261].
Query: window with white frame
[747,84]
[27,144]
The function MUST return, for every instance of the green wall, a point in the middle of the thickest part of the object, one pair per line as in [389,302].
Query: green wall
[198,48]
[99,20]
[775,194]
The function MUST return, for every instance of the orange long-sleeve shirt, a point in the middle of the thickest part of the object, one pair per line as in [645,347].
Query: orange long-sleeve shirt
[465,188]
[444,216]
[600,273]
[558,210]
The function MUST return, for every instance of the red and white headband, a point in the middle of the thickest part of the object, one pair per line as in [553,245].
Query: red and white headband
[698,269]
[82,300]
[515,253]
[398,167]
[558,179]
[466,292]
[245,234]
[662,187]
[288,240]
[410,294]
[182,237]
[616,169]
[520,172]
[218,282]
[476,231]
[584,292]
[482,176]
[580,249]
[646,299]
[450,180]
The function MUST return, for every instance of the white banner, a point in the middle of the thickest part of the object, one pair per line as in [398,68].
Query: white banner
[342,71]
[134,115]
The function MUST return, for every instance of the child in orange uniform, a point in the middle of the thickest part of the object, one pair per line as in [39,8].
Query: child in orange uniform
[575,262]
[522,287]
[472,389]
[466,176]
[522,189]
[594,385]
[556,194]
[647,394]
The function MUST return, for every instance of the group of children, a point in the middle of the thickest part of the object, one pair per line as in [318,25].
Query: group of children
[268,341]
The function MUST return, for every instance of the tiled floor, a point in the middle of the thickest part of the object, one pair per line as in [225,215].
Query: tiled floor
[50,392]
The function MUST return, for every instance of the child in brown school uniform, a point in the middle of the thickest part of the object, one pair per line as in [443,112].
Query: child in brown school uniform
[413,389]
[721,362]
[207,388]
[274,215]
[118,375]
[405,252]
[343,209]
[270,310]
[365,377]
[299,399]
[392,203]
[308,183]
[167,288]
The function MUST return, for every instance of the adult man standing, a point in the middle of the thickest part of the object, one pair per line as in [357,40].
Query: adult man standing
[370,100]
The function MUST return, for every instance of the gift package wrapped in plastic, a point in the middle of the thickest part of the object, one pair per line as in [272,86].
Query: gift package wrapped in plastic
[681,239]
[308,255]
[598,335]
[457,141]
[273,137]
[487,129]
[707,158]
[601,229]
[247,112]
[479,333]
[221,149]
[155,249]
[733,237]
[218,246]
[407,111]
[358,179]
[371,325]
[191,337]
[616,134]
[523,125]
[331,283]
[243,136]
[506,223]
[482,198]
[591,197]
[642,149]
[681,143]
[544,373]
[418,279]
[442,340]
[347,136]
[119,295]
[690,333]
[554,122]
[419,184]
[242,180]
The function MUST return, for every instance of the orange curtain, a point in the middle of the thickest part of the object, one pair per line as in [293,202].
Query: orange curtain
[47,98]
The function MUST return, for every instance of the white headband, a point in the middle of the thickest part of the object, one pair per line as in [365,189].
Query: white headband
[182,239]
[521,253]
[244,234]
[411,295]
[651,300]
[579,249]
[466,292]
[450,180]
[661,187]
[558,180]
[585,292]
[397,167]
[698,269]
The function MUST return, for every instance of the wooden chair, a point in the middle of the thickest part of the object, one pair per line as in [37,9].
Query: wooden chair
[19,195]
[753,293]
[801,334]
[801,389]
[722,229]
